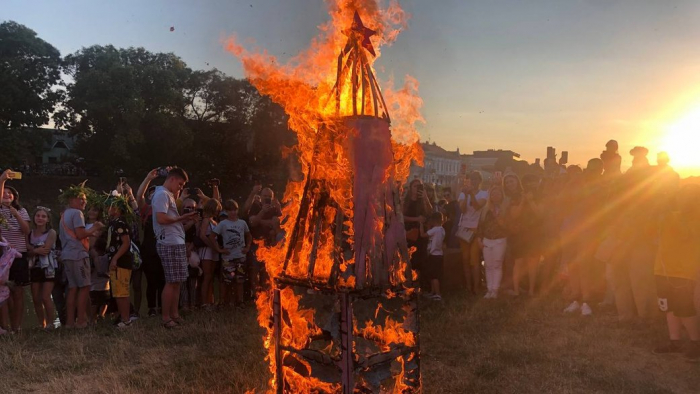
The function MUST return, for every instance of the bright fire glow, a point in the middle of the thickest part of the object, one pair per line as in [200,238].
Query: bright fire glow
[681,141]
[304,88]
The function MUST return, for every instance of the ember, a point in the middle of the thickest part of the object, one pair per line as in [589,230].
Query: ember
[342,315]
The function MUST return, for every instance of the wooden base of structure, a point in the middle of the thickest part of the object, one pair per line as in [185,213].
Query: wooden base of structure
[351,360]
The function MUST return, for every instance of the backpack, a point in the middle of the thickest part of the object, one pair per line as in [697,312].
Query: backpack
[137,255]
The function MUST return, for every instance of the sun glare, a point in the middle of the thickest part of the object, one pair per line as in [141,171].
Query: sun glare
[682,142]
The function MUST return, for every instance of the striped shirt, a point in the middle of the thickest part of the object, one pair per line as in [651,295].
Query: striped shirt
[13,232]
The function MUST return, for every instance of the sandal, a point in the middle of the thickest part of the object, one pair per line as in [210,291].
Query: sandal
[170,324]
[178,320]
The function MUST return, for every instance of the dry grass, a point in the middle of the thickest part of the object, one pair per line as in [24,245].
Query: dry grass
[501,346]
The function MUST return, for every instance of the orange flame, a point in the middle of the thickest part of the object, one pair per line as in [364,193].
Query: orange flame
[304,88]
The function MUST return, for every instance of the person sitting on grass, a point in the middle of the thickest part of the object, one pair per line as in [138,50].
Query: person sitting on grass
[121,260]
[236,243]
[676,271]
[433,269]
[99,288]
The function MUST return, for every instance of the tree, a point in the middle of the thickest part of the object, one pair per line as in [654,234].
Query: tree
[29,71]
[135,110]
[126,106]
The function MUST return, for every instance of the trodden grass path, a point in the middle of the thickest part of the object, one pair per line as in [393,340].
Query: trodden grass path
[468,346]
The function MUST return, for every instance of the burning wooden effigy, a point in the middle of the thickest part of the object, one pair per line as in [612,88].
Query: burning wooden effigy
[342,311]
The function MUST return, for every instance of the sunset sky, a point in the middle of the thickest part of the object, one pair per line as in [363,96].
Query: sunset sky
[494,74]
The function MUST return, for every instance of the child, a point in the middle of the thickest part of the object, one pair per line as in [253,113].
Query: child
[8,257]
[99,288]
[236,243]
[676,270]
[433,269]
[121,259]
[42,263]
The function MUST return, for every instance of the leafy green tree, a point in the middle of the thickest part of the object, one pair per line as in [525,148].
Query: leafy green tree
[126,106]
[29,70]
[29,77]
[135,110]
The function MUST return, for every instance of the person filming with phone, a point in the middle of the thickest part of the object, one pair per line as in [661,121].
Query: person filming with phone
[16,231]
[170,242]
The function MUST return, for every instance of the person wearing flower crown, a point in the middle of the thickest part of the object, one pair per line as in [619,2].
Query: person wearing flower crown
[74,254]
[121,260]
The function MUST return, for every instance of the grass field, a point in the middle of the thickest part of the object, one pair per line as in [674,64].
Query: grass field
[468,346]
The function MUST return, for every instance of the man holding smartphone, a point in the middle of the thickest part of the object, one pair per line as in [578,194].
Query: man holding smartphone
[170,242]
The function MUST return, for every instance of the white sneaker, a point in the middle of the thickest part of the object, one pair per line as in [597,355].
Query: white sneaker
[586,310]
[494,294]
[488,295]
[573,307]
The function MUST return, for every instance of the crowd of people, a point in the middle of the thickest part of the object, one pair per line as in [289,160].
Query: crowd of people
[610,239]
[600,238]
[92,264]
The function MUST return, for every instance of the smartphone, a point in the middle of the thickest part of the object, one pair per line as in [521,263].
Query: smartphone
[551,153]
[16,175]
[498,174]
[200,212]
[268,200]
[194,191]
[421,187]
[186,210]
[163,171]
[213,182]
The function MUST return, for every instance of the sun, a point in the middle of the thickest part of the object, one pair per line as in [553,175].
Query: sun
[681,140]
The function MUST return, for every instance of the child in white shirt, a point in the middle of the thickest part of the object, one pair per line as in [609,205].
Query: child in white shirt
[433,269]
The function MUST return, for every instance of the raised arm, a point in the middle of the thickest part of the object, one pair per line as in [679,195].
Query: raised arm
[141,192]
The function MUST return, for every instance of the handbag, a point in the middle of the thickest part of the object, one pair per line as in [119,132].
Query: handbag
[465,234]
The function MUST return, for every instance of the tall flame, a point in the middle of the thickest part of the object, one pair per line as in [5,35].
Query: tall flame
[304,87]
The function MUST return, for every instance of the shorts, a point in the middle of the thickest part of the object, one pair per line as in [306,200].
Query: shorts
[433,267]
[233,270]
[676,295]
[207,253]
[38,275]
[174,260]
[99,298]
[77,272]
[19,271]
[119,280]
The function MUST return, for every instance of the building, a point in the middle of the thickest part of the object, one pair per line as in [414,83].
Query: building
[446,168]
[485,160]
[440,166]
[59,149]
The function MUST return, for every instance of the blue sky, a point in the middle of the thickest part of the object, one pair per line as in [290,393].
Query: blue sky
[520,75]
